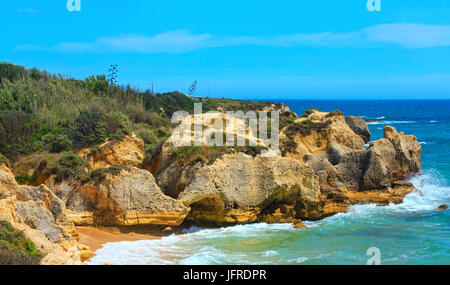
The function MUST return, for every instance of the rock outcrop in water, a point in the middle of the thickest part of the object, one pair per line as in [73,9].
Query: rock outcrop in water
[359,127]
[348,173]
[42,216]
[394,157]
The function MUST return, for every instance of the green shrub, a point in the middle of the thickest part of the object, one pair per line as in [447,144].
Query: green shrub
[4,160]
[97,175]
[254,150]
[94,151]
[57,142]
[308,112]
[148,136]
[16,129]
[35,74]
[305,128]
[11,72]
[24,179]
[116,121]
[288,146]
[100,174]
[68,164]
[15,248]
[70,161]
[90,130]
[161,133]
[96,84]
[334,114]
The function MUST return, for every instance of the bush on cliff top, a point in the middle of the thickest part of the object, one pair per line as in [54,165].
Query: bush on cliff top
[62,165]
[334,113]
[16,248]
[99,175]
[209,154]
[305,128]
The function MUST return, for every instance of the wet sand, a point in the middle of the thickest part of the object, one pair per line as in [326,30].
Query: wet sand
[96,237]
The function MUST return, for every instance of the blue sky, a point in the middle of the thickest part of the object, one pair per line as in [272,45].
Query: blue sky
[298,49]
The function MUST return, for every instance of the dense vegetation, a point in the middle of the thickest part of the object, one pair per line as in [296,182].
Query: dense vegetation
[15,248]
[41,111]
[50,117]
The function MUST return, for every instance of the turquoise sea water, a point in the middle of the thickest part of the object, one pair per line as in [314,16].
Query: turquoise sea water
[403,237]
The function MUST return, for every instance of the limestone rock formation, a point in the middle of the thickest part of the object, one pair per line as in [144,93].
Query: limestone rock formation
[277,107]
[174,172]
[238,188]
[324,169]
[325,147]
[394,157]
[334,146]
[339,158]
[129,197]
[359,127]
[41,215]
[340,199]
[126,152]
[318,135]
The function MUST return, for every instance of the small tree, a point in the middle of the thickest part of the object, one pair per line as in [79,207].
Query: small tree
[193,88]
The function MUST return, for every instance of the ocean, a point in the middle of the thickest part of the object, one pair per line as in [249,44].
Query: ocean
[408,233]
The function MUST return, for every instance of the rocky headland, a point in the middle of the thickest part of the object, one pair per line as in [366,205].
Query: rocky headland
[324,166]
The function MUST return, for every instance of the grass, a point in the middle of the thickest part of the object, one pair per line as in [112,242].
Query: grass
[99,175]
[305,128]
[308,112]
[335,113]
[4,160]
[63,166]
[209,154]
[16,248]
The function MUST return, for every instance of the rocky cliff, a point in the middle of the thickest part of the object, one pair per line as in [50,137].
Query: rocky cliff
[349,173]
[127,152]
[41,215]
[125,196]
[242,189]
[324,167]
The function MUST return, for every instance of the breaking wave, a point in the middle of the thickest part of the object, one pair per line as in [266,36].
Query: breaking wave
[391,122]
[340,239]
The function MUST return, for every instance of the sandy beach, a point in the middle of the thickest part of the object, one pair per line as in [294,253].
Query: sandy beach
[96,237]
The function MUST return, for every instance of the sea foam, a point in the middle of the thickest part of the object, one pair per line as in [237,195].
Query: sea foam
[228,245]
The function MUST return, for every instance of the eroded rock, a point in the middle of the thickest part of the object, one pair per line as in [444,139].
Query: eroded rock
[127,152]
[359,127]
[41,215]
[130,197]
[238,188]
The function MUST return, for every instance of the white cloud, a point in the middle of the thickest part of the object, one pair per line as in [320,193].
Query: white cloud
[172,42]
[28,10]
[410,35]
[179,41]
